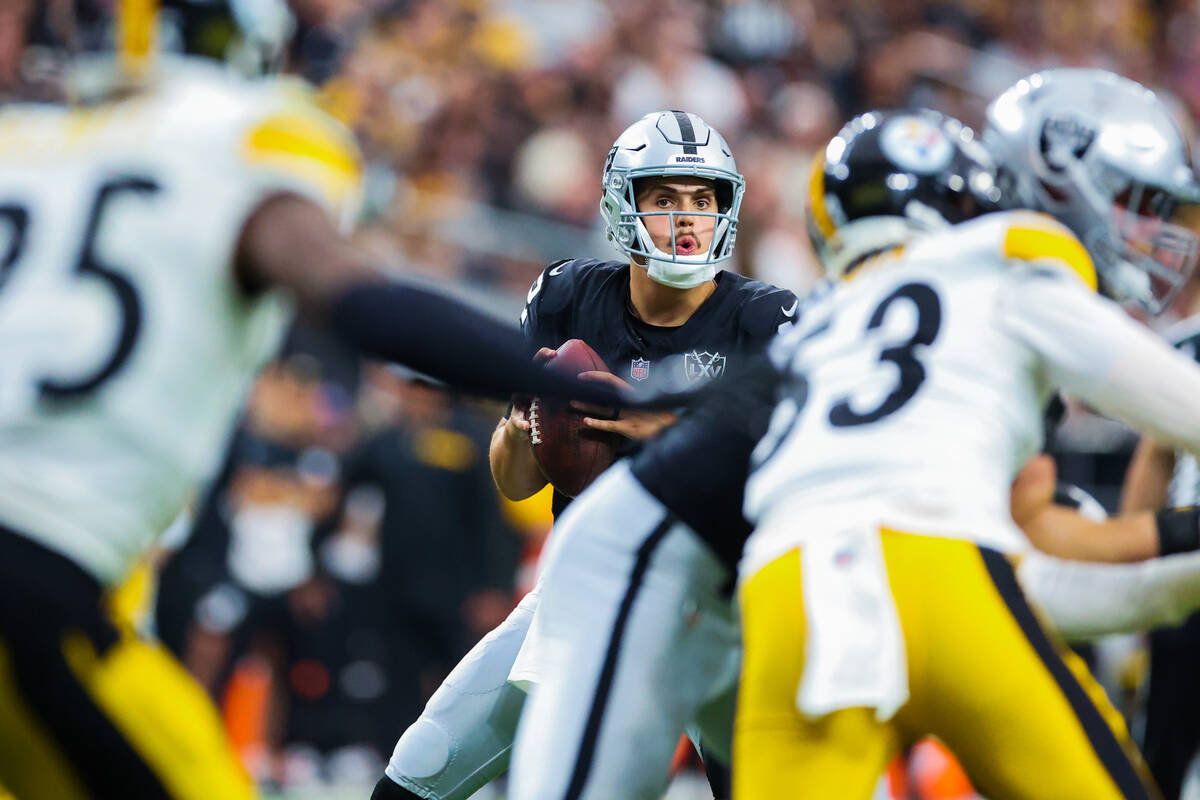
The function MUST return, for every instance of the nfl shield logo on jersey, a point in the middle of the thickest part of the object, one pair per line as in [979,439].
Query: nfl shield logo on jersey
[639,369]
[697,366]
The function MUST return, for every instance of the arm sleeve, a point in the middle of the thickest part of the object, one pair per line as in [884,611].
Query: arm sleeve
[450,341]
[1085,600]
[1093,350]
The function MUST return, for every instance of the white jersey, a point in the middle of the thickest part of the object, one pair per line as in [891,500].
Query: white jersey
[129,346]
[918,386]
[1184,488]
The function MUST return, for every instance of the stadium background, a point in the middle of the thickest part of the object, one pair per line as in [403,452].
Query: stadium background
[354,546]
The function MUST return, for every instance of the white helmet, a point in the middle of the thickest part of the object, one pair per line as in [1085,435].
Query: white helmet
[1102,154]
[670,143]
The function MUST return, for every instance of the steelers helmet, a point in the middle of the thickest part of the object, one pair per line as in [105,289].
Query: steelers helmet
[890,175]
[1103,155]
[130,43]
[670,143]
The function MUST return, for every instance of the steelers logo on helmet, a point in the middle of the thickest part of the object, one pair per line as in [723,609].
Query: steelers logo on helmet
[916,144]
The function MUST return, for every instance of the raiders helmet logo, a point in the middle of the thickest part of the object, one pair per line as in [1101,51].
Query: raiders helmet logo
[1063,138]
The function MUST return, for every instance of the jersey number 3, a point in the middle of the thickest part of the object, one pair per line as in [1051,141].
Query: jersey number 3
[87,264]
[911,370]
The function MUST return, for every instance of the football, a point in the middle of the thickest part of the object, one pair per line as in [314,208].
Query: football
[570,454]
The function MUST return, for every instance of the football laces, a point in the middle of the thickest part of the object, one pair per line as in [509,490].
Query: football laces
[535,425]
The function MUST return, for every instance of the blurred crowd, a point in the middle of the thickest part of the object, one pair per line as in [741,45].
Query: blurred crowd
[478,114]
[355,547]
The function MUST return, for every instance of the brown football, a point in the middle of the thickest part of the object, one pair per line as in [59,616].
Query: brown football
[569,454]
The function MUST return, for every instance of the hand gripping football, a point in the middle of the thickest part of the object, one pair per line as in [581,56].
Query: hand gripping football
[570,454]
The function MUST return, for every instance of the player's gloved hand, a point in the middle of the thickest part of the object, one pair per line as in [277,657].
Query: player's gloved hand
[633,423]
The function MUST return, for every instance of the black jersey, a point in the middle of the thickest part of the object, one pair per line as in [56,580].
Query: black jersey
[589,300]
[698,467]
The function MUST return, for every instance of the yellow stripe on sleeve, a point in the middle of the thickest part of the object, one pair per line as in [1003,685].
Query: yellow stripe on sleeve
[311,149]
[1039,239]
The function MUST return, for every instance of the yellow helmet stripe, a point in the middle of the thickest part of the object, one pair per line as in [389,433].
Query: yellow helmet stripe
[136,27]
[816,197]
[1038,243]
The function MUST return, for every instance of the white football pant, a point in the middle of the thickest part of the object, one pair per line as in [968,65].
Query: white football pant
[636,638]
[674,661]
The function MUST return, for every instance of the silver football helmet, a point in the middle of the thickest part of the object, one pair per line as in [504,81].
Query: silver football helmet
[1102,154]
[667,143]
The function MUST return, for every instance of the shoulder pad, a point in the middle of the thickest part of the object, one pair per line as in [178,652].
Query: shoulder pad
[563,280]
[556,291]
[762,308]
[290,134]
[768,310]
[1043,241]
[1013,237]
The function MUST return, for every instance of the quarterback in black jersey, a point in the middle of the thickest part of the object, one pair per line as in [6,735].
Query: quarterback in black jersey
[668,319]
[599,302]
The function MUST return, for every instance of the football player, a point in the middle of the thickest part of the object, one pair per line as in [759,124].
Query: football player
[661,671]
[1161,476]
[878,599]
[668,317]
[152,244]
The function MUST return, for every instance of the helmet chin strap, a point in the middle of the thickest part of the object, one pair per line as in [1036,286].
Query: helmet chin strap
[679,276]
[678,272]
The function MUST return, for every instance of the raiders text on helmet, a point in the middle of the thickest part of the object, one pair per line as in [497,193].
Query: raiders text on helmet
[1103,155]
[890,175]
[663,144]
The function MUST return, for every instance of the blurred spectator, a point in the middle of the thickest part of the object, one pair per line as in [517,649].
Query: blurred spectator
[422,533]
[676,72]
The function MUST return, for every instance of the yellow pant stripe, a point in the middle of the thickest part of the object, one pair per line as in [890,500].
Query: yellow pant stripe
[163,714]
[1104,727]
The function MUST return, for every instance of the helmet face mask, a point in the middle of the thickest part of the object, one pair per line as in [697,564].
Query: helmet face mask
[670,144]
[1103,155]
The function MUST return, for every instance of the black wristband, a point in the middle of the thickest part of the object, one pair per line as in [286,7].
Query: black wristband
[1178,530]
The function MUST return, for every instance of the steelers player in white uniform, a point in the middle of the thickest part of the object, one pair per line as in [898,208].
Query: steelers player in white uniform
[152,245]
[877,593]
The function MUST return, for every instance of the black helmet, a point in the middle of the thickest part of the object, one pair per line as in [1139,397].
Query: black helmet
[889,175]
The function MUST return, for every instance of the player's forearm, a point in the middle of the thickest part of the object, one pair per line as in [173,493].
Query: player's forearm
[1096,352]
[1064,533]
[514,469]
[290,243]
[1088,600]
[1148,476]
